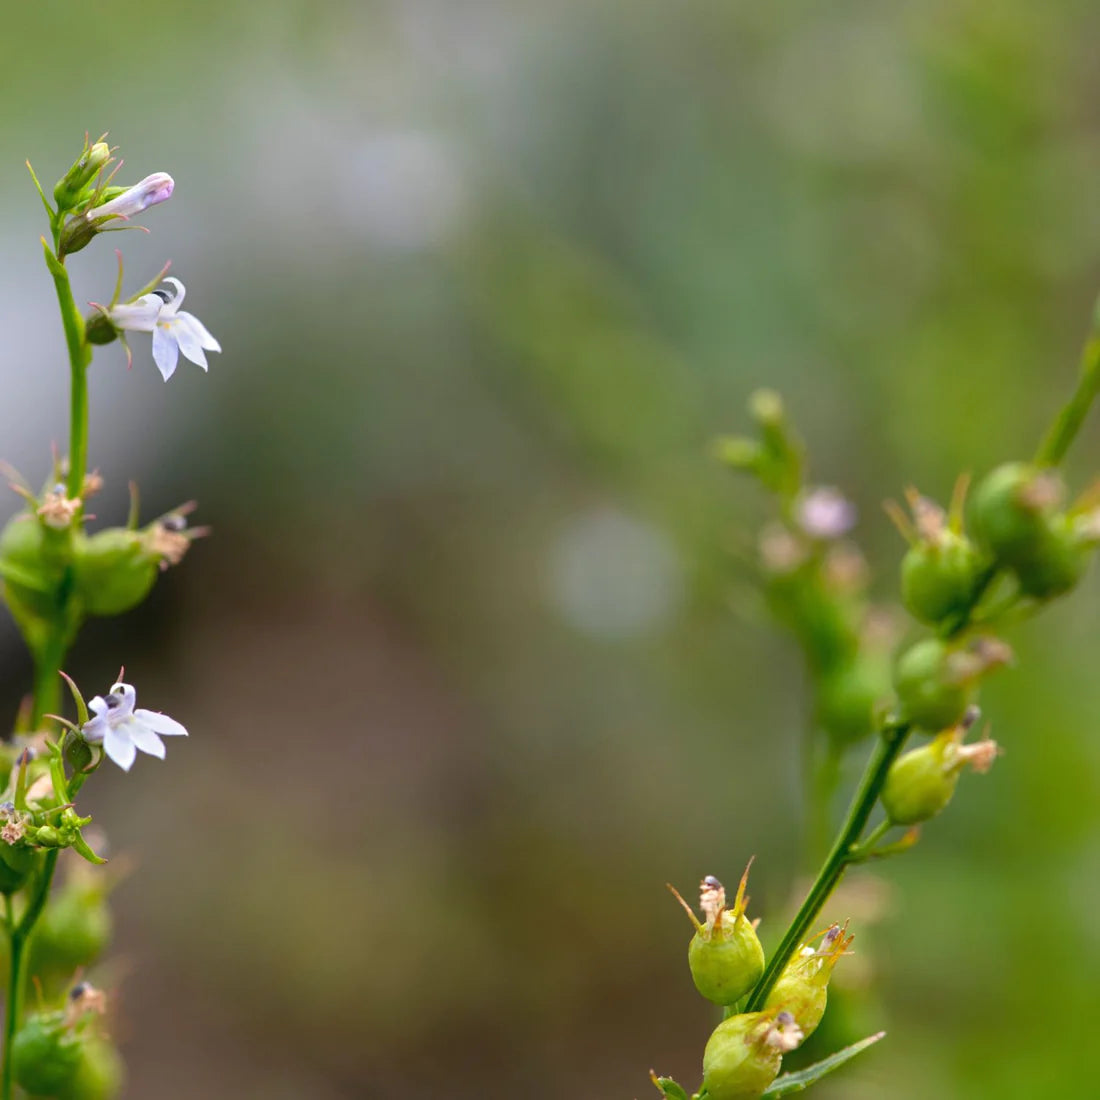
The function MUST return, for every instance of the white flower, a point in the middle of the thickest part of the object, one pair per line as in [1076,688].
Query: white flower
[122,730]
[150,191]
[825,513]
[173,330]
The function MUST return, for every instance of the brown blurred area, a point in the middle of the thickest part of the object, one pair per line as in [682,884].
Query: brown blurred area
[472,664]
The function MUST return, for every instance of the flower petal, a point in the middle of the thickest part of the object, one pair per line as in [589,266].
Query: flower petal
[160,722]
[188,339]
[118,746]
[176,300]
[201,331]
[98,706]
[144,738]
[139,316]
[93,730]
[166,351]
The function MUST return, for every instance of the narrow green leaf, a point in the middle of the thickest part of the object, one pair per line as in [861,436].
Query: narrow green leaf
[667,1087]
[796,1082]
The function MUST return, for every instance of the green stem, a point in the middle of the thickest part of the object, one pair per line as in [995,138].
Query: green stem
[1062,433]
[19,938]
[80,355]
[836,863]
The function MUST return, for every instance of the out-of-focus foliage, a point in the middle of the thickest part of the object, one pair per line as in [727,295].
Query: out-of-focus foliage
[470,664]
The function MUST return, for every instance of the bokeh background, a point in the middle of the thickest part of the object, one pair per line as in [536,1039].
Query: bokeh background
[470,665]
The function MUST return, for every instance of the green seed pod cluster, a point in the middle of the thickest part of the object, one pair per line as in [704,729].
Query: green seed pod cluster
[922,781]
[725,955]
[1017,515]
[743,1054]
[936,681]
[802,988]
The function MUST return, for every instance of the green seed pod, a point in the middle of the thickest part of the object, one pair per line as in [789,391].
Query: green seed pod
[937,681]
[848,694]
[724,955]
[17,861]
[70,188]
[1057,563]
[74,930]
[113,570]
[99,1074]
[31,568]
[46,1054]
[921,783]
[743,1054]
[802,988]
[939,580]
[1010,510]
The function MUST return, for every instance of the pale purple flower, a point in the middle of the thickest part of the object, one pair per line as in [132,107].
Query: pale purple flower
[826,513]
[122,730]
[150,191]
[174,330]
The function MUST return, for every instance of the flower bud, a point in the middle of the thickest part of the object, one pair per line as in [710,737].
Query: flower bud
[69,190]
[936,681]
[920,783]
[1011,509]
[724,955]
[80,229]
[801,989]
[743,1054]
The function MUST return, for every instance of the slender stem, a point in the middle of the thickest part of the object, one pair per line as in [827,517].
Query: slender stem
[20,936]
[832,870]
[80,355]
[1054,446]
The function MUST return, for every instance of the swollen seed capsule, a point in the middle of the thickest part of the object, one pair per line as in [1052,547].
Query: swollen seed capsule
[802,988]
[46,1055]
[112,571]
[921,783]
[847,696]
[1010,510]
[32,577]
[1057,563]
[939,579]
[937,681]
[743,1054]
[724,955]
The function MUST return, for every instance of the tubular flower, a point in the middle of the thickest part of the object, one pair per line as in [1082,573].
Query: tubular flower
[174,330]
[122,730]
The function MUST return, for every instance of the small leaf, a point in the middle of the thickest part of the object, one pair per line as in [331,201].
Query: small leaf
[796,1082]
[81,706]
[667,1087]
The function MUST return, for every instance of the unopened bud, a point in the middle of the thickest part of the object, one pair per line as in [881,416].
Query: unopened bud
[80,229]
[69,190]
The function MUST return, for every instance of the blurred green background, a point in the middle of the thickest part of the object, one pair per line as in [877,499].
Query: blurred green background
[469,665]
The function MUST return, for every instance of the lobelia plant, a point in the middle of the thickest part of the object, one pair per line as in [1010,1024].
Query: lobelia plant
[55,574]
[968,571]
